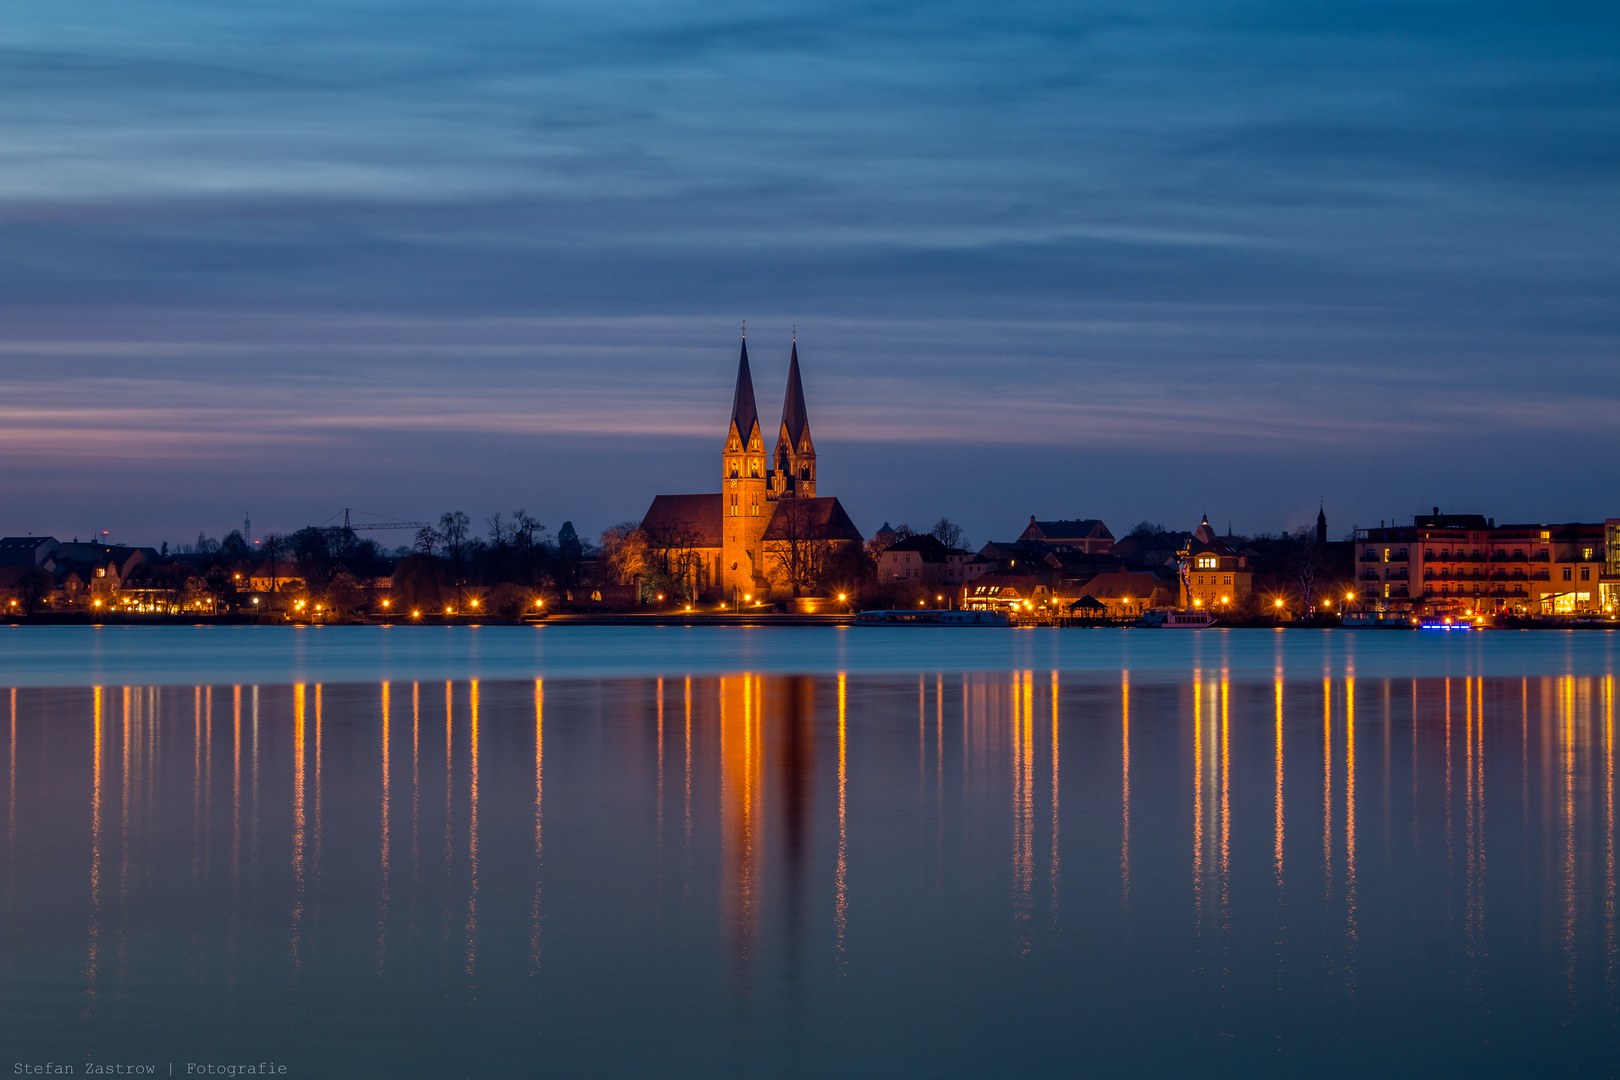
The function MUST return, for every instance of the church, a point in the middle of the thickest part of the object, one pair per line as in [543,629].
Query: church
[766,534]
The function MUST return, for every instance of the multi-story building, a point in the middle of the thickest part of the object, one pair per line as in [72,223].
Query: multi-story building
[920,560]
[1468,563]
[1213,574]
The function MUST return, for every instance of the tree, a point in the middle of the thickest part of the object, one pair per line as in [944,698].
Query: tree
[797,545]
[1144,529]
[453,526]
[570,554]
[417,584]
[273,547]
[343,592]
[427,539]
[33,588]
[675,552]
[948,533]
[235,546]
[625,555]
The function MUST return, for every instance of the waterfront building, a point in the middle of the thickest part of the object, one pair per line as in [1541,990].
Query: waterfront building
[767,531]
[1468,563]
[1006,590]
[1214,574]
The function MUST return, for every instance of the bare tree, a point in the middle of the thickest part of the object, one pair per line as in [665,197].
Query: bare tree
[675,549]
[453,526]
[427,539]
[797,546]
[948,533]
[624,552]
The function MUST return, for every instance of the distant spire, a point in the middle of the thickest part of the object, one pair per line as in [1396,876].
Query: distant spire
[743,411]
[794,414]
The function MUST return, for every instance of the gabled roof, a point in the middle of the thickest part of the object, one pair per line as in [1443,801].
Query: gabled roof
[682,518]
[1066,529]
[926,546]
[25,550]
[824,519]
[744,413]
[794,416]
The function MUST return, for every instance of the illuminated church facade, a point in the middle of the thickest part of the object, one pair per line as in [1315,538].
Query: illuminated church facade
[766,532]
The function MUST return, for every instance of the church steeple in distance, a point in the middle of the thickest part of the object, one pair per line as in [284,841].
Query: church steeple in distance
[795,473]
[744,413]
[743,460]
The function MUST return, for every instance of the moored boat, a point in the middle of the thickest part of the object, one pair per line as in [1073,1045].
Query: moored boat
[932,617]
[1195,619]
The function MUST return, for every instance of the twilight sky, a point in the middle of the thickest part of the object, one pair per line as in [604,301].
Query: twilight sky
[1142,260]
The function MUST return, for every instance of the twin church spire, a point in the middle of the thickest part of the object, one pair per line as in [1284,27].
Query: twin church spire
[790,470]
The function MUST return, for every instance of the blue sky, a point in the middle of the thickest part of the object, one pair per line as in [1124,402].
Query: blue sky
[1144,261]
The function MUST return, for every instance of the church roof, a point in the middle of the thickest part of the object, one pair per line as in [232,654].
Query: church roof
[744,413]
[794,415]
[826,520]
[682,518]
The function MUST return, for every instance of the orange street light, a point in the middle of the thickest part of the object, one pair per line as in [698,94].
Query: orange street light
[660,596]
[387,603]
[840,596]
[1279,603]
[475,603]
[416,614]
[447,611]
[255,601]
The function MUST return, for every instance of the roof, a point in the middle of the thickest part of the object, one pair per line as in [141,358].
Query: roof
[927,546]
[744,413]
[1136,586]
[794,416]
[24,550]
[1066,529]
[825,519]
[682,517]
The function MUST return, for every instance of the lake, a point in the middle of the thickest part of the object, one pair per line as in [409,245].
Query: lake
[707,851]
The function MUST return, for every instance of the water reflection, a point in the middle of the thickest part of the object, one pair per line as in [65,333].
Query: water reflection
[794,791]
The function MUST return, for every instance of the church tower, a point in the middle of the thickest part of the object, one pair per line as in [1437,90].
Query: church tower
[745,499]
[795,461]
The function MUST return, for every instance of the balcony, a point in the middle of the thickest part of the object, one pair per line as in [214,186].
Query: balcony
[1370,556]
[1541,575]
[1369,575]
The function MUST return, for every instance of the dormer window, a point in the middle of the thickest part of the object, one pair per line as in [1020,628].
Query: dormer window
[101,571]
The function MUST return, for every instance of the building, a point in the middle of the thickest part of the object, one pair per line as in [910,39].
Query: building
[1005,590]
[1468,563]
[1087,535]
[1126,594]
[1213,574]
[27,550]
[767,532]
[921,560]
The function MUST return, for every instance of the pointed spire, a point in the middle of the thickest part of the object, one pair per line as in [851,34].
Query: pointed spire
[794,415]
[743,411]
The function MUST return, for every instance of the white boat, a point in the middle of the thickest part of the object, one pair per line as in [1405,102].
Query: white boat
[1196,619]
[932,617]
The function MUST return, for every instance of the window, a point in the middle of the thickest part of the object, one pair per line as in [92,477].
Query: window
[1586,573]
[101,571]
[1566,573]
[753,467]
[1586,554]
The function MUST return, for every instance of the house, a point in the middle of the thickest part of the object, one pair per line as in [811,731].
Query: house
[921,560]
[1213,574]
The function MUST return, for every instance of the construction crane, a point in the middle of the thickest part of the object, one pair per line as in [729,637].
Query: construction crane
[350,526]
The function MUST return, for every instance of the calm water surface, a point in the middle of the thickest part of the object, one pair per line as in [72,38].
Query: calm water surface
[905,855]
